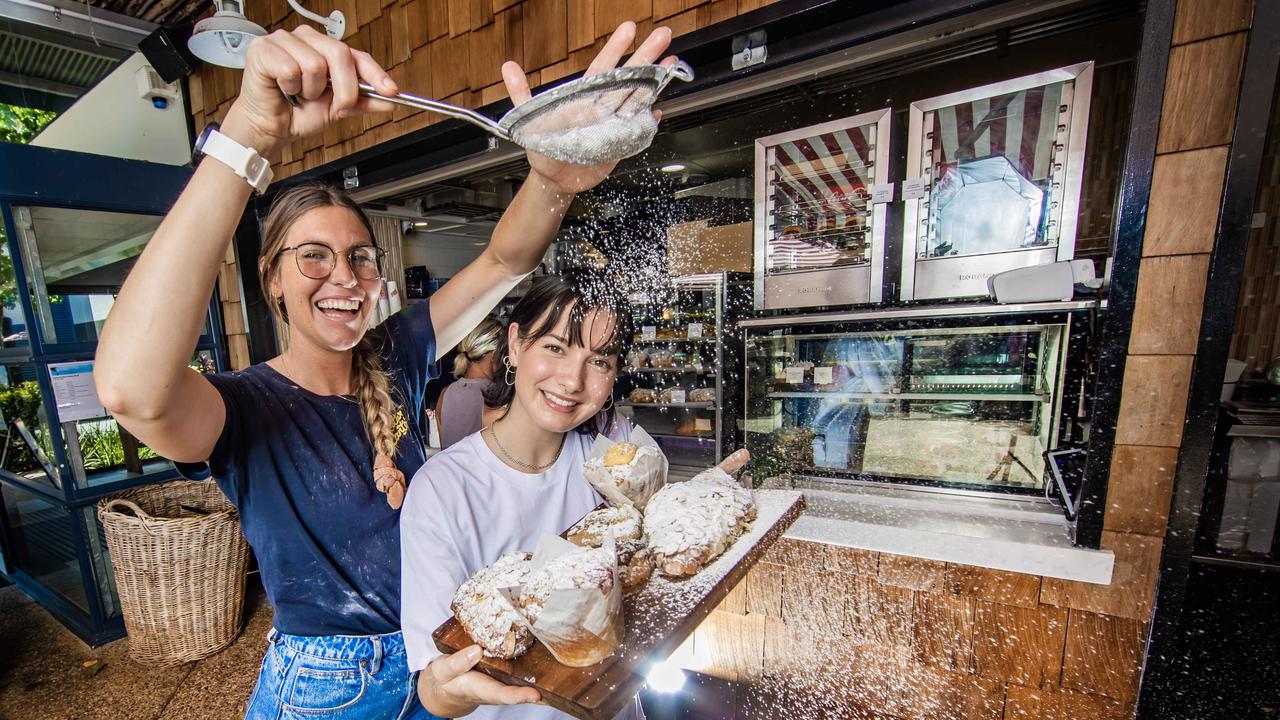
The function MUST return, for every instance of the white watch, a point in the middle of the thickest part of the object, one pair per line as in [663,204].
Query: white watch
[243,161]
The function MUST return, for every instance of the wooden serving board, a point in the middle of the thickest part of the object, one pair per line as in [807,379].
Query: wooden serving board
[659,617]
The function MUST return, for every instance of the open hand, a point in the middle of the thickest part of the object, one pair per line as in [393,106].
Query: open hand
[565,177]
[450,688]
[320,72]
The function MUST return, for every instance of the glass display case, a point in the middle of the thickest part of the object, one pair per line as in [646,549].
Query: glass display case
[993,181]
[820,213]
[672,383]
[965,405]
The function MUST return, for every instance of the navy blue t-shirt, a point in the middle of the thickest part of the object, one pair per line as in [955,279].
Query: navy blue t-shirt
[299,467]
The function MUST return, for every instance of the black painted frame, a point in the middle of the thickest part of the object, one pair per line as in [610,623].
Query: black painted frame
[1226,267]
[1131,224]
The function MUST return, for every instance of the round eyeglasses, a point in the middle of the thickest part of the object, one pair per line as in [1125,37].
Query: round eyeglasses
[316,260]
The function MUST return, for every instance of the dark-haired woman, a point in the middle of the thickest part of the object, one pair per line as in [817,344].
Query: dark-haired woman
[501,489]
[307,443]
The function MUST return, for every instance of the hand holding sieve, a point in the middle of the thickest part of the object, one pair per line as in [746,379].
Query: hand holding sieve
[597,119]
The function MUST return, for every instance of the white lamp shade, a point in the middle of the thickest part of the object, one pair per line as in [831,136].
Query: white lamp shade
[224,38]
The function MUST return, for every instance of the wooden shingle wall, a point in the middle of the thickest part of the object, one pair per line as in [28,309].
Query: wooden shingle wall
[452,50]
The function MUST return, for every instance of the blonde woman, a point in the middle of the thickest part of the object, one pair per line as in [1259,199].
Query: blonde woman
[307,443]
[460,408]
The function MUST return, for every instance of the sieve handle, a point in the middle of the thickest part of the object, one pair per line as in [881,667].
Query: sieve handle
[421,103]
[679,71]
[453,111]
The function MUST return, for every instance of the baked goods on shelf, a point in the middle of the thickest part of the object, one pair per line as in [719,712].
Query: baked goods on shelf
[643,395]
[487,616]
[637,357]
[662,358]
[623,523]
[702,395]
[689,524]
[668,395]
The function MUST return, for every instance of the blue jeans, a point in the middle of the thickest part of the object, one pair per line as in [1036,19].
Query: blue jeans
[338,677]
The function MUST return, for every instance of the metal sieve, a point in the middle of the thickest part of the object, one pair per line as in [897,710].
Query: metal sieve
[593,120]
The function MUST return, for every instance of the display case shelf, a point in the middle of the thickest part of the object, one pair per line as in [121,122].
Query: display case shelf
[671,371]
[891,397]
[628,403]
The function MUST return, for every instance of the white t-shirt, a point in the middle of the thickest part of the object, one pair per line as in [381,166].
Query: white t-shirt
[465,509]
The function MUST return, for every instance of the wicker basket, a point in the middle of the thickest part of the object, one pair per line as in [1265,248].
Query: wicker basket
[179,561]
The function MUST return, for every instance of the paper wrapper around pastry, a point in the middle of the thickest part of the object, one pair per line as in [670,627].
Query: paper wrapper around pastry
[580,626]
[633,483]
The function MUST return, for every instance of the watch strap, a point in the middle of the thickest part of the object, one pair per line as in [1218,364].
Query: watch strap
[243,161]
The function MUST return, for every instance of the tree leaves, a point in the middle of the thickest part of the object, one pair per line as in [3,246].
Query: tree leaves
[21,124]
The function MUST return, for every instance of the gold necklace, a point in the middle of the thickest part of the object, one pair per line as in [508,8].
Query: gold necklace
[528,467]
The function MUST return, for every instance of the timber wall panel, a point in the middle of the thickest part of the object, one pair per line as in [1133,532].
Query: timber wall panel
[453,50]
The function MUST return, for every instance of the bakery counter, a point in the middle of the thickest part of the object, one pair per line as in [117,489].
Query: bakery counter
[1015,534]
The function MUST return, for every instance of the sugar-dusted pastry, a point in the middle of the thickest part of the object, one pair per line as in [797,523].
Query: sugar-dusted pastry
[691,523]
[627,473]
[620,454]
[635,563]
[623,522]
[702,395]
[590,568]
[487,616]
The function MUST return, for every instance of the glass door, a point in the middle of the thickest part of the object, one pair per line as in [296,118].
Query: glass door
[73,225]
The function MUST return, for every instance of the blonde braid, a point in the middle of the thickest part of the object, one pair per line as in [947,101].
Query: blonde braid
[372,388]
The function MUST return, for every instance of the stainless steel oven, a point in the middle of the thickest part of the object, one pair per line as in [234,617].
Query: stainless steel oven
[820,199]
[993,181]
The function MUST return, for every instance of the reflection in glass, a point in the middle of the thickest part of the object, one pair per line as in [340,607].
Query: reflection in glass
[27,445]
[13,321]
[821,214]
[993,165]
[43,543]
[77,260]
[965,406]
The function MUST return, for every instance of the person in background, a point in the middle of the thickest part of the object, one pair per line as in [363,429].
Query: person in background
[460,410]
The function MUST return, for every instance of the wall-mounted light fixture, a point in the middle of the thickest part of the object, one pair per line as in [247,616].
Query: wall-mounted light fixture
[224,39]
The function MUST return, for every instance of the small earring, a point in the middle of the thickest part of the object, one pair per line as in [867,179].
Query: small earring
[510,374]
[607,408]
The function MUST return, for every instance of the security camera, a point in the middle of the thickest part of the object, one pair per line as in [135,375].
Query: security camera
[406,227]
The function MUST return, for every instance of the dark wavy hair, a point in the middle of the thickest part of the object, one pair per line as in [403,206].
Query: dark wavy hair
[538,312]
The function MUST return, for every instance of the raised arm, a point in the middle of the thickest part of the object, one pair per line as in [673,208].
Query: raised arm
[531,221]
[141,366]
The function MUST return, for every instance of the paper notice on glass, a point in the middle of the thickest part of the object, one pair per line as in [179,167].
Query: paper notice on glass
[822,375]
[795,375]
[695,330]
[74,392]
[881,193]
[913,189]
[702,424]
[648,332]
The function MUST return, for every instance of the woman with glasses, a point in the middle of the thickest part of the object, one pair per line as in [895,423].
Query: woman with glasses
[314,445]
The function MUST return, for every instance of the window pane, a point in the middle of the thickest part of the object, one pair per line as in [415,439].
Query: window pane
[102,452]
[76,261]
[27,449]
[13,321]
[44,546]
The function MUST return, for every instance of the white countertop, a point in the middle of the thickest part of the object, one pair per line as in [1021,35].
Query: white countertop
[1017,534]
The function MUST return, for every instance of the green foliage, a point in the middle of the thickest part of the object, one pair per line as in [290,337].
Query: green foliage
[21,402]
[101,448]
[21,124]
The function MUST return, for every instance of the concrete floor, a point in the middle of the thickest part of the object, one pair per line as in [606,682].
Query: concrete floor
[42,676]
